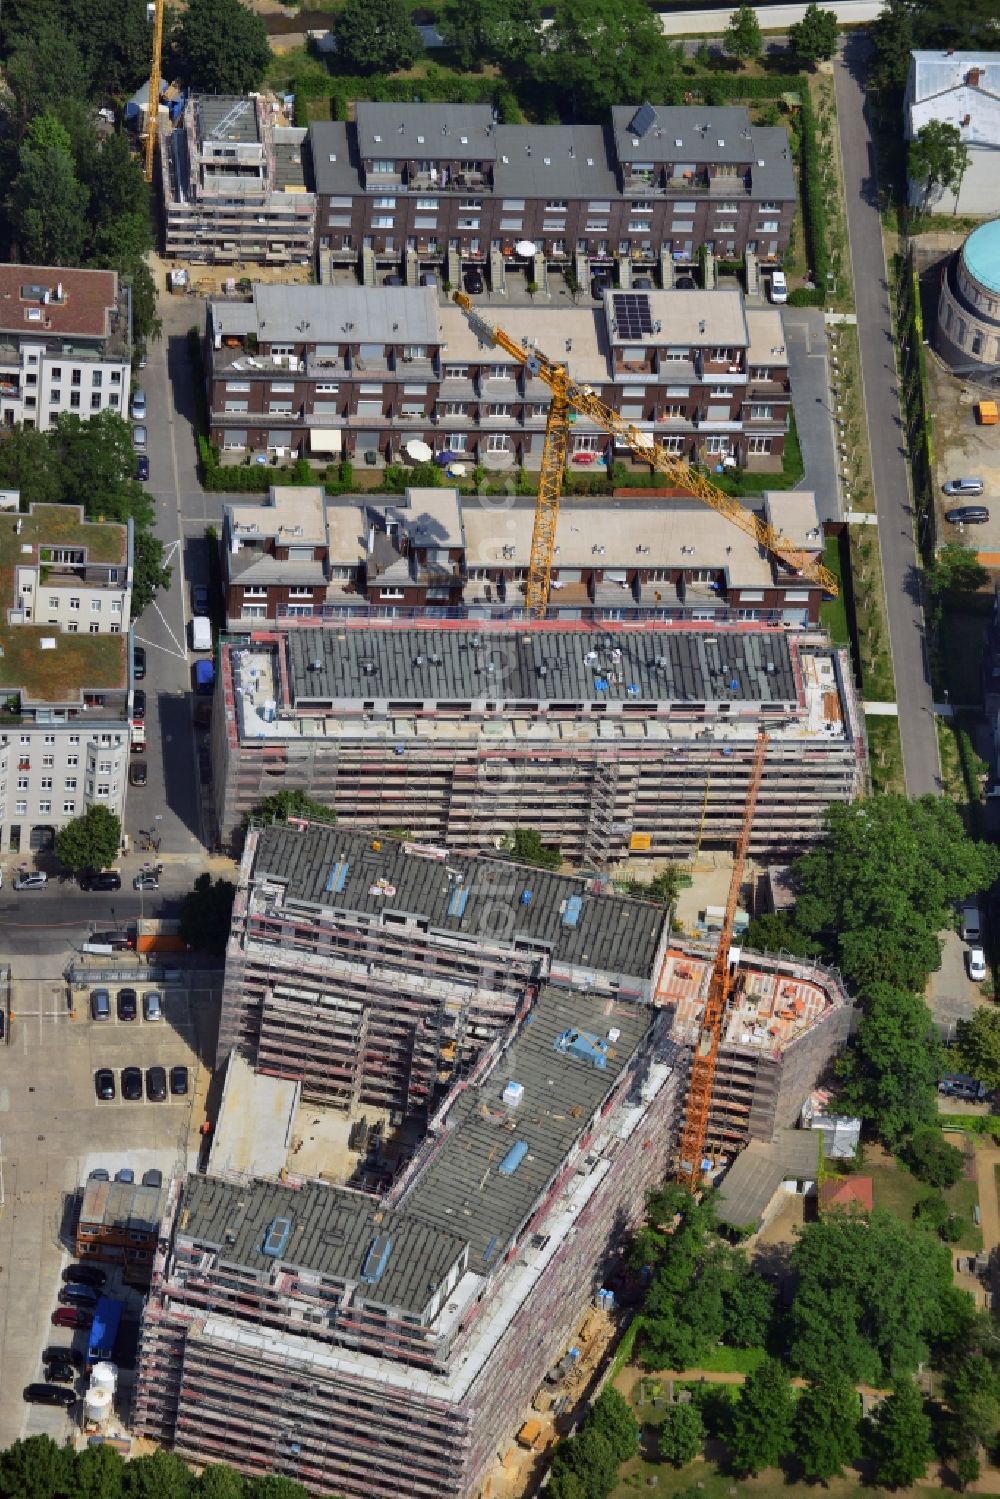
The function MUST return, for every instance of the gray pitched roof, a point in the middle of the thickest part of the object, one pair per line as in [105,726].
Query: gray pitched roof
[568,666]
[705,132]
[466,1186]
[429,132]
[333,1232]
[335,170]
[339,869]
[554,161]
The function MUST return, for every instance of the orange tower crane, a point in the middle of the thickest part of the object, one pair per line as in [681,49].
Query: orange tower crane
[153,112]
[706,1051]
[567,395]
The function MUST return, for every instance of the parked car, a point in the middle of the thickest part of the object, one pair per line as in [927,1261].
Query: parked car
[643,283]
[104,1084]
[139,438]
[49,1394]
[970,921]
[473,281]
[967,515]
[126,1175]
[975,959]
[31,880]
[71,1316]
[53,1353]
[128,1004]
[99,1175]
[392,281]
[59,1371]
[146,881]
[117,941]
[600,282]
[685,283]
[152,1005]
[156,1084]
[78,1296]
[100,1004]
[199,598]
[142,467]
[132,1083]
[138,705]
[152,1178]
[779,287]
[100,879]
[178,1081]
[139,662]
[85,1275]
[428,279]
[963,486]
[138,405]
[137,776]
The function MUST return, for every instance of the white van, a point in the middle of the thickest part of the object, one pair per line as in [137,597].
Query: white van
[201,633]
[972,924]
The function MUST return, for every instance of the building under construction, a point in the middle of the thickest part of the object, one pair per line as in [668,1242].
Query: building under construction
[629,738]
[378,1347]
[376,971]
[785,1022]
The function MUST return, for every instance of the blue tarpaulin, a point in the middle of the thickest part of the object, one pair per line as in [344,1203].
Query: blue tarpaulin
[104,1329]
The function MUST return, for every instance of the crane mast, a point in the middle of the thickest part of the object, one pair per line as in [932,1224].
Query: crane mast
[706,1051]
[153,112]
[567,394]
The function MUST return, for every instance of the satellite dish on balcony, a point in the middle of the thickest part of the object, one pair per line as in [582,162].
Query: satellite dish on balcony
[526,247]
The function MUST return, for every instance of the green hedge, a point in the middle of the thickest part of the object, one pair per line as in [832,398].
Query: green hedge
[813,206]
[806,296]
[437,86]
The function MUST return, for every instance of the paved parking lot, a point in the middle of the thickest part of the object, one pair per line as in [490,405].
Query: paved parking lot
[964,449]
[951,994]
[54,1131]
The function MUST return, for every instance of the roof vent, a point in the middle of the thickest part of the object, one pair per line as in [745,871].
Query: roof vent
[513,1094]
[571,912]
[315,664]
[376,1259]
[513,1158]
[368,668]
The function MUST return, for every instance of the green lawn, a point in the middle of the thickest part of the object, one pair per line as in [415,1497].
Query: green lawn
[886,754]
[709,1483]
[897,1191]
[833,613]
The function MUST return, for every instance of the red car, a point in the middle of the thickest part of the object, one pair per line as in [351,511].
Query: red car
[71,1316]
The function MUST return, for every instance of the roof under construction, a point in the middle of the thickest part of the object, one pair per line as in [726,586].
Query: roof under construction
[555,666]
[491,899]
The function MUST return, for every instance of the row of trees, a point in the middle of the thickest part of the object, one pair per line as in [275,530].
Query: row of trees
[872,897]
[596,52]
[37,1468]
[90,463]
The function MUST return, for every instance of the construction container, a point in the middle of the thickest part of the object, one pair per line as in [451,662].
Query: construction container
[987,414]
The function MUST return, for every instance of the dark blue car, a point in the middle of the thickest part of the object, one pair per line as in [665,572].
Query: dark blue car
[142,467]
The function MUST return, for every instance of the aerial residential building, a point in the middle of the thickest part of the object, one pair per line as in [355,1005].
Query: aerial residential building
[960,89]
[234,184]
[328,372]
[65,344]
[119,1223]
[374,971]
[414,187]
[298,556]
[64,670]
[609,739]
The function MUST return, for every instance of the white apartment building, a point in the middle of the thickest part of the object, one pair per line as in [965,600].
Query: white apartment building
[65,670]
[65,344]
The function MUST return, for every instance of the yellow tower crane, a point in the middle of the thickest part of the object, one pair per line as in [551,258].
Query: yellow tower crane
[153,112]
[567,395]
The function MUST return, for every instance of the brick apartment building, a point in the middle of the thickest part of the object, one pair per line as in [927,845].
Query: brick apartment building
[425,186]
[298,556]
[610,739]
[336,371]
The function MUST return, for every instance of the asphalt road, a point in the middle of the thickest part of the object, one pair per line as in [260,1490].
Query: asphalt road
[890,471]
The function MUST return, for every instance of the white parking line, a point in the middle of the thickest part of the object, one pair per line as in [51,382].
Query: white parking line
[180,652]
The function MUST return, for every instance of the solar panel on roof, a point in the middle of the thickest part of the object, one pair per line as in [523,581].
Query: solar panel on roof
[631,313]
[643,120]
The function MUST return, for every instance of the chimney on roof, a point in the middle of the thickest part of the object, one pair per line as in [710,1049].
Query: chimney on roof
[973,78]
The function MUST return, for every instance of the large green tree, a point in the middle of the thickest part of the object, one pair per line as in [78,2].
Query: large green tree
[591,1461]
[35,1468]
[883,881]
[296,803]
[827,1436]
[376,36]
[743,37]
[612,1418]
[28,463]
[873,1294]
[222,47]
[528,848]
[760,1428]
[598,52]
[150,574]
[978,1045]
[938,160]
[98,1473]
[899,1437]
[504,32]
[92,841]
[218,1481]
[47,204]
[682,1435]
[931,1158]
[904,25]
[955,569]
[891,1068]
[814,38]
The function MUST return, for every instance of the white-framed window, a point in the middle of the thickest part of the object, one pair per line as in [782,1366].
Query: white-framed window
[414,351]
[237,387]
[767,208]
[383,221]
[769,226]
[675,355]
[74,603]
[327,390]
[72,761]
[383,168]
[48,761]
[45,806]
[428,205]
[95,627]
[103,789]
[22,783]
[717,444]
[757,445]
[672,444]
[45,784]
[282,388]
[761,413]
[20,809]
[116,606]
[70,783]
[237,408]
[498,442]
[384,203]
[254,611]
[95,606]
[500,372]
[69,809]
[53,603]
[456,372]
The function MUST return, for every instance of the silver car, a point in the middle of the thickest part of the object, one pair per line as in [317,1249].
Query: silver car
[963,486]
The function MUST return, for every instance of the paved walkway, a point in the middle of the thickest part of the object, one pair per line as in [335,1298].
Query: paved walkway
[987,1160]
[890,472]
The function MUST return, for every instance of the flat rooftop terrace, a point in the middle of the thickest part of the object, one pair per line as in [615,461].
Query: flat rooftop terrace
[769,1011]
[336,869]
